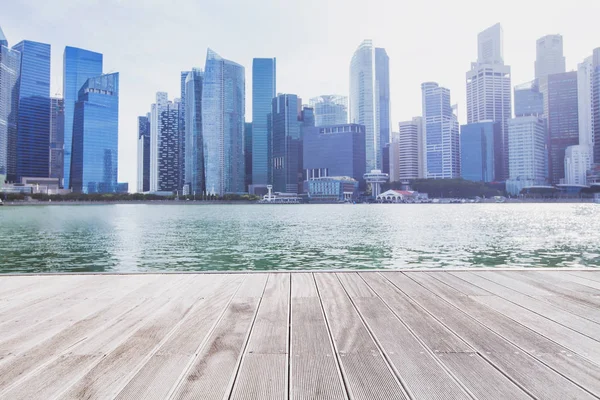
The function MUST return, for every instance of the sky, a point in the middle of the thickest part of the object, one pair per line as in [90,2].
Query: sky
[150,41]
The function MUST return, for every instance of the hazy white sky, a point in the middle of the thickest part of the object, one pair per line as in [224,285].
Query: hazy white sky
[150,41]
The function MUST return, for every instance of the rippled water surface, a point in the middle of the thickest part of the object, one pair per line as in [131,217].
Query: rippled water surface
[262,237]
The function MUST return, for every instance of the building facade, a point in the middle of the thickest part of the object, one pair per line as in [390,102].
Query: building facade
[264,89]
[440,128]
[528,99]
[95,157]
[248,153]
[410,151]
[156,110]
[332,189]
[79,65]
[578,161]
[549,56]
[382,85]
[10,71]
[527,153]
[143,154]
[57,138]
[489,91]
[223,114]
[33,122]
[168,148]
[286,139]
[477,150]
[185,189]
[194,181]
[337,150]
[330,110]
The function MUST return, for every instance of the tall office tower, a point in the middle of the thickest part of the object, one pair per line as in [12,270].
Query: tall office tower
[549,56]
[264,89]
[33,123]
[162,102]
[528,99]
[409,150]
[488,91]
[561,111]
[182,133]
[78,66]
[194,145]
[578,161]
[57,138]
[248,153]
[366,94]
[382,85]
[95,157]
[393,158]
[527,153]
[223,114]
[440,128]
[596,106]
[477,142]
[336,150]
[10,70]
[286,136]
[143,169]
[330,109]
[168,148]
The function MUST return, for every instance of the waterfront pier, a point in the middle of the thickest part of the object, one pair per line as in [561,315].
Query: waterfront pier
[453,334]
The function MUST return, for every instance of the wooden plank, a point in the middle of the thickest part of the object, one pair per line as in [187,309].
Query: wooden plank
[314,371]
[591,275]
[365,370]
[421,373]
[576,279]
[564,280]
[524,370]
[419,321]
[266,354]
[211,374]
[574,367]
[133,306]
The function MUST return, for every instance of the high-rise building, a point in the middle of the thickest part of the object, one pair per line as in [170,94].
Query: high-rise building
[194,146]
[143,169]
[412,150]
[578,161]
[78,66]
[33,124]
[596,108]
[330,110]
[182,133]
[488,91]
[10,70]
[223,115]
[95,157]
[162,101]
[477,142]
[440,128]
[527,153]
[393,154]
[287,137]
[528,99]
[57,138]
[168,148]
[549,56]
[366,94]
[264,89]
[382,85]
[336,150]
[561,103]
[248,153]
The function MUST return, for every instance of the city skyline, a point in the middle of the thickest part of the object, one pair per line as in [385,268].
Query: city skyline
[325,71]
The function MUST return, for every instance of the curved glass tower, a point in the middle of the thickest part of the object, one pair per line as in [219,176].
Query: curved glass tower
[263,92]
[194,147]
[223,114]
[10,70]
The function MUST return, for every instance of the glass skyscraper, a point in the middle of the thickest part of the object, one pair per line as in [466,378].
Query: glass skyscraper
[79,65]
[528,99]
[549,56]
[33,125]
[477,142]
[440,127]
[95,154]
[168,148]
[286,136]
[382,79]
[248,152]
[194,145]
[223,114]
[330,110]
[143,154]
[182,131]
[57,138]
[264,77]
[10,70]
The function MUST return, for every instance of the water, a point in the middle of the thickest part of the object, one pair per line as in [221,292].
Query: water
[136,238]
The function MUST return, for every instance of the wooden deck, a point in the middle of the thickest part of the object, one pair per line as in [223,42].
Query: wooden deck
[348,335]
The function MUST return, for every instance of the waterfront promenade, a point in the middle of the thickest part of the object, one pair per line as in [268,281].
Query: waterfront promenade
[477,334]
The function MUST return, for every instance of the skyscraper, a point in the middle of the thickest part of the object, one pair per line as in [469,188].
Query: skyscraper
[440,128]
[168,148]
[264,78]
[162,101]
[549,56]
[57,138]
[527,153]
[286,137]
[10,70]
[248,152]
[528,99]
[143,181]
[223,114]
[330,109]
[382,84]
[95,157]
[365,101]
[182,132]
[409,150]
[477,142]
[488,91]
[596,108]
[78,66]
[194,146]
[33,125]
